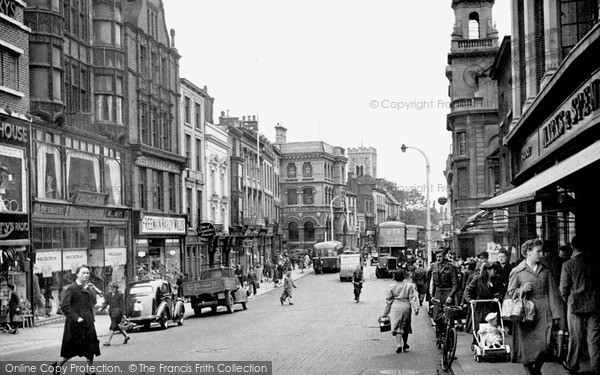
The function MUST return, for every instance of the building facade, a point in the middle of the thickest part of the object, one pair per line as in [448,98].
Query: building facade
[313,184]
[196,105]
[363,187]
[473,172]
[15,136]
[554,135]
[152,83]
[80,157]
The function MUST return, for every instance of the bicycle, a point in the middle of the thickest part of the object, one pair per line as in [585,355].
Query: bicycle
[446,339]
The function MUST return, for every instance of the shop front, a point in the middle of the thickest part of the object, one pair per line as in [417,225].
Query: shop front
[15,250]
[67,235]
[158,245]
[556,154]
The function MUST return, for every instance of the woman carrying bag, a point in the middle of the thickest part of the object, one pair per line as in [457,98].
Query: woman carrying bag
[532,280]
[116,301]
[401,298]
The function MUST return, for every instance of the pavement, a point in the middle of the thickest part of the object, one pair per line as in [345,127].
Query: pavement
[48,330]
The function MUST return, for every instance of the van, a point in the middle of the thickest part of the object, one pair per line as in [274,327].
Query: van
[348,263]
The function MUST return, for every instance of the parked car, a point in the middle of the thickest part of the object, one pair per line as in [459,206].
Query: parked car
[217,287]
[151,301]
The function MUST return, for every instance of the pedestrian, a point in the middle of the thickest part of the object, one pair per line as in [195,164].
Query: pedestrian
[116,302]
[301,263]
[287,263]
[444,284]
[79,336]
[484,285]
[532,280]
[14,310]
[288,283]
[269,270]
[306,260]
[420,279]
[252,280]
[579,286]
[319,266]
[259,274]
[239,273]
[401,298]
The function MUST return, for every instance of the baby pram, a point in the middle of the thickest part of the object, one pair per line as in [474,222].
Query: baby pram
[480,350]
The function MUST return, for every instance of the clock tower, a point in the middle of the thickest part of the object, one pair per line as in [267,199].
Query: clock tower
[473,120]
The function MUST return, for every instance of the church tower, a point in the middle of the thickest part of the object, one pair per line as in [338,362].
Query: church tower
[473,165]
[362,161]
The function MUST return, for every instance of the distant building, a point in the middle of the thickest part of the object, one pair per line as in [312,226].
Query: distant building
[362,161]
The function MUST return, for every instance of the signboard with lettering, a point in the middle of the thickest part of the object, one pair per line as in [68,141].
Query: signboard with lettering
[86,212]
[115,213]
[155,163]
[14,226]
[162,225]
[49,209]
[206,230]
[12,132]
[73,258]
[578,113]
[90,198]
[47,262]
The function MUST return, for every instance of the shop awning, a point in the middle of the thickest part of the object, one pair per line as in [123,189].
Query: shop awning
[474,220]
[527,190]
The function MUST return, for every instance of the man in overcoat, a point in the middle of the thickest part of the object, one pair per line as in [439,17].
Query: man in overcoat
[79,336]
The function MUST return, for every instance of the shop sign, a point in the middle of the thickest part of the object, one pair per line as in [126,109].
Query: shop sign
[154,163]
[206,230]
[91,198]
[14,226]
[86,212]
[115,213]
[13,133]
[578,113]
[47,262]
[162,224]
[73,258]
[115,257]
[49,209]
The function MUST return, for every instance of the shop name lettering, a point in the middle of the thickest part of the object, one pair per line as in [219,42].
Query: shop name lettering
[7,228]
[156,163]
[582,105]
[14,132]
[163,224]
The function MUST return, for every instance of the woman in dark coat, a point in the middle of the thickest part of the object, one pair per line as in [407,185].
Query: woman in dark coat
[116,301]
[79,337]
[532,279]
[14,309]
[485,285]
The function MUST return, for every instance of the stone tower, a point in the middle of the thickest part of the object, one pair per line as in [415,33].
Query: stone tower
[362,161]
[473,165]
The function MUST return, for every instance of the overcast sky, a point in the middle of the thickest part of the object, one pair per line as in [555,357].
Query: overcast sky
[348,73]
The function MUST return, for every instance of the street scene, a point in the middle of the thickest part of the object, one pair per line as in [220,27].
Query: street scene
[299,188]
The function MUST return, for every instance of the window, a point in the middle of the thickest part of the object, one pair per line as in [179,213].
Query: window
[145,122]
[109,98]
[291,170]
[188,145]
[112,181]
[307,170]
[198,207]
[198,154]
[157,190]
[474,25]
[9,76]
[154,66]
[198,114]
[293,231]
[309,231]
[143,62]
[143,191]
[49,172]
[461,141]
[188,205]
[576,19]
[83,172]
[173,192]
[187,109]
[292,197]
[307,196]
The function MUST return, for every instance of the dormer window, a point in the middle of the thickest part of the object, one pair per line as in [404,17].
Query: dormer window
[474,25]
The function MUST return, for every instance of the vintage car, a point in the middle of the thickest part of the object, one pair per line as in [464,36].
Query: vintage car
[151,301]
[217,286]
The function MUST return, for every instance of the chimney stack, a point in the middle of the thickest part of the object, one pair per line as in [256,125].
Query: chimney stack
[280,134]
[173,38]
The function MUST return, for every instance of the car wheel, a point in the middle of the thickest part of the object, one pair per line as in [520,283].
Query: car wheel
[197,311]
[147,326]
[164,322]
[229,303]
[213,309]
[244,306]
[181,316]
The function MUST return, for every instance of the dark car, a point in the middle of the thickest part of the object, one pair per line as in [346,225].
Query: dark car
[151,301]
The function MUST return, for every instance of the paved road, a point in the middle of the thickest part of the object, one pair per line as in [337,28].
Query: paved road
[324,332]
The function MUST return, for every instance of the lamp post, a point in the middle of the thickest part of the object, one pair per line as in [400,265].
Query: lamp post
[331,212]
[428,227]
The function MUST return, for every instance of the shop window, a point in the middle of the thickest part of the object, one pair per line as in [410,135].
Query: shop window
[112,181]
[49,172]
[309,231]
[293,232]
[83,172]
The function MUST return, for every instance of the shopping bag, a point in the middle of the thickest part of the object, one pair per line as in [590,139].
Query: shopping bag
[385,324]
[125,325]
[507,307]
[17,319]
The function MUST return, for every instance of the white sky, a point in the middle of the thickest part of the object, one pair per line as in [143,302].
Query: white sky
[316,66]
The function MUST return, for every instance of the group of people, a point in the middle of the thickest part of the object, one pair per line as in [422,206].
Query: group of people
[562,287]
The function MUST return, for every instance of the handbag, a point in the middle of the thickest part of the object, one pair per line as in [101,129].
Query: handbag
[512,308]
[528,311]
[125,325]
[385,324]
[17,318]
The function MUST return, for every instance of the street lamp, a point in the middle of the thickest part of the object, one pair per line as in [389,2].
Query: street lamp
[331,211]
[428,227]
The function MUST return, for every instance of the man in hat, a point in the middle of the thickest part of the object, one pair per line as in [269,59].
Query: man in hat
[444,285]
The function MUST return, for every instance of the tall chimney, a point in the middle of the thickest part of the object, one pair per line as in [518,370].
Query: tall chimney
[173,38]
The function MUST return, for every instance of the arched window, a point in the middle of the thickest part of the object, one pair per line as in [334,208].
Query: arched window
[474,25]
[307,196]
[307,170]
[291,170]
[293,231]
[292,196]
[309,231]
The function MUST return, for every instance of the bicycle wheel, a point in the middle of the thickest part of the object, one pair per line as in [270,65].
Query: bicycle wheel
[449,349]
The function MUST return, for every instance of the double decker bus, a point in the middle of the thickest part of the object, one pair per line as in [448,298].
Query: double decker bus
[329,253]
[415,240]
[391,247]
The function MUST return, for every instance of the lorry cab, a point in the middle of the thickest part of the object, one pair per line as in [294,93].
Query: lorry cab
[348,263]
